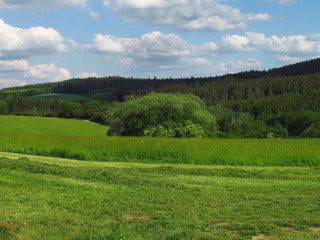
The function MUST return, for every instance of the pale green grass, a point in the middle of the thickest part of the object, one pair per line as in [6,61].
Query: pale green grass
[22,125]
[59,96]
[60,199]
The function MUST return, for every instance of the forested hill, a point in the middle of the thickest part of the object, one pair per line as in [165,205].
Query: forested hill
[301,68]
[86,86]
[289,88]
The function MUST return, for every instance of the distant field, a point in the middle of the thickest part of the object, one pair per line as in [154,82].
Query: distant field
[28,126]
[59,96]
[60,199]
[87,141]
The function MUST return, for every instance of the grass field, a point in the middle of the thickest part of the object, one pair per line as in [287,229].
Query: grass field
[84,140]
[59,96]
[150,188]
[31,126]
[46,198]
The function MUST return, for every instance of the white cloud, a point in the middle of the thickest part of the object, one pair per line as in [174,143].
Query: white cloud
[153,47]
[94,15]
[286,58]
[87,75]
[46,72]
[19,72]
[17,43]
[282,2]
[289,46]
[199,15]
[235,43]
[13,65]
[5,83]
[167,53]
[236,66]
[41,4]
[314,37]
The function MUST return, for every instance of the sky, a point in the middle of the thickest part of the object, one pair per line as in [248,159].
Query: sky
[54,40]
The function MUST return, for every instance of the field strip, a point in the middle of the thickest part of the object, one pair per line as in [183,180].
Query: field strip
[79,163]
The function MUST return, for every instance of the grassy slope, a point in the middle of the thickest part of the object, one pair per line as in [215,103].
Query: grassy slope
[59,96]
[21,125]
[84,140]
[45,198]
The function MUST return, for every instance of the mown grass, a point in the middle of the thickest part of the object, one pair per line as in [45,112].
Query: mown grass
[44,198]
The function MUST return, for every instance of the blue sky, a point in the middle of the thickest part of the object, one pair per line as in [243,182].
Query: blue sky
[54,40]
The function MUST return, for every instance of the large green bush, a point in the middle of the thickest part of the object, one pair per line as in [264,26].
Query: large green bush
[163,115]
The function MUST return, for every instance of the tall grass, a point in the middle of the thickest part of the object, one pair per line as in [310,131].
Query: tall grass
[236,152]
[83,140]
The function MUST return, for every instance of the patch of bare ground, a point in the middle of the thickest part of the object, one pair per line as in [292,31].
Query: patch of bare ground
[131,218]
[315,230]
[260,237]
[290,230]
[6,227]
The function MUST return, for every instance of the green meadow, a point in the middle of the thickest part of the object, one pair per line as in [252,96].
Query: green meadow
[36,126]
[153,188]
[59,96]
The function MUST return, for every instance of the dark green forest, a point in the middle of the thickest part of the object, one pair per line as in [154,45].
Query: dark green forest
[281,102]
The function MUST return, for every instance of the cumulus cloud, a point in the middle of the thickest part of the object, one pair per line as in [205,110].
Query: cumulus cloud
[13,65]
[236,66]
[18,43]
[286,58]
[168,53]
[289,47]
[153,47]
[41,5]
[158,51]
[200,15]
[19,72]
[87,75]
[5,83]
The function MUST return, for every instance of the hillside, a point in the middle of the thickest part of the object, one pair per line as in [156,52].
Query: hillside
[21,125]
[114,85]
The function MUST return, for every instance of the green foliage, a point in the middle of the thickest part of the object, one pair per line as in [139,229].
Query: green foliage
[159,131]
[71,109]
[184,115]
[313,131]
[188,130]
[278,131]
[3,107]
[294,122]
